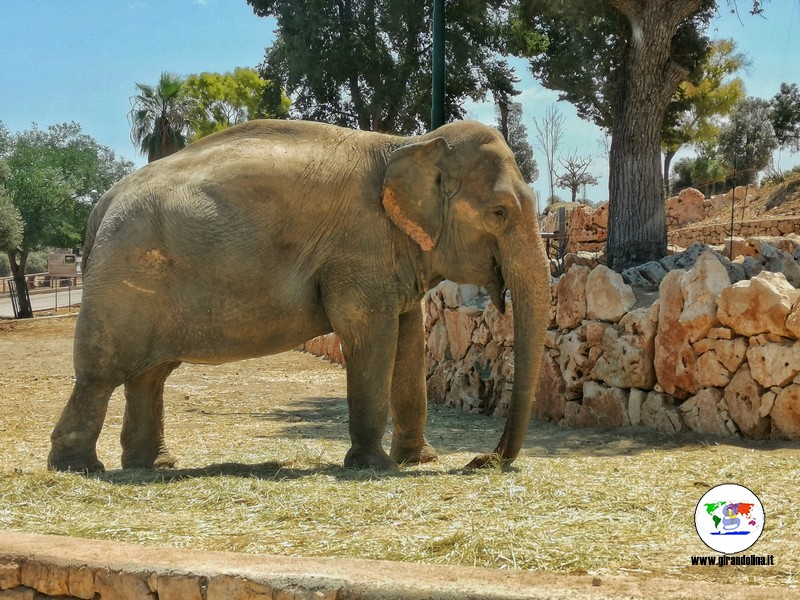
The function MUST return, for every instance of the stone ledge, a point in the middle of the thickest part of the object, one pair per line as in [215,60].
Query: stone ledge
[41,566]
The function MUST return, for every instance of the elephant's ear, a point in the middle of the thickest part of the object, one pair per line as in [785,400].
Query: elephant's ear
[412,195]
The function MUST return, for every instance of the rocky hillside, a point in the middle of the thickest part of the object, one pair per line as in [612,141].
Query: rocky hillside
[759,203]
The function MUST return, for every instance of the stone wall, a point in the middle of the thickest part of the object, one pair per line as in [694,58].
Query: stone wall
[716,234]
[587,228]
[707,355]
[703,343]
[38,567]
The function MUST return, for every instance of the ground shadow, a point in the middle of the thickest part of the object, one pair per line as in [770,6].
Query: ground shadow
[450,430]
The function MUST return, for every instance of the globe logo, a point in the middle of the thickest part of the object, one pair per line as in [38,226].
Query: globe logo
[729,518]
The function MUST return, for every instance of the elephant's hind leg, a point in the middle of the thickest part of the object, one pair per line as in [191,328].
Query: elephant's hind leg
[142,435]
[409,401]
[74,438]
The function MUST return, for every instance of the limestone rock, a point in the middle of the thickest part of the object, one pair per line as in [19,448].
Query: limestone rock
[500,325]
[739,246]
[793,320]
[628,354]
[731,353]
[574,361]
[767,402]
[785,414]
[743,396]
[551,314]
[449,293]
[774,364]
[675,361]
[687,207]
[608,297]
[571,309]
[635,400]
[759,305]
[600,216]
[583,259]
[659,413]
[701,286]
[601,407]
[550,396]
[711,372]
[706,412]
[437,341]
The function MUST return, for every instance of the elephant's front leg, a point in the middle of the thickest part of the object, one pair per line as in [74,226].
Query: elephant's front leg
[369,353]
[409,401]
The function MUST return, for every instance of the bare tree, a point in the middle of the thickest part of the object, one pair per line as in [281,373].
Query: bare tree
[576,174]
[548,136]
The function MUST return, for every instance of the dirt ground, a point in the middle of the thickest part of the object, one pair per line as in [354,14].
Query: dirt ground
[268,425]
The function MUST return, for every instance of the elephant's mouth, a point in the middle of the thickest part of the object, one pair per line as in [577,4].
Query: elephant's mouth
[497,287]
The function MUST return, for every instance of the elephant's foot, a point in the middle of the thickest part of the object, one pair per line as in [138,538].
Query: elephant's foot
[363,458]
[163,460]
[492,459]
[413,456]
[59,460]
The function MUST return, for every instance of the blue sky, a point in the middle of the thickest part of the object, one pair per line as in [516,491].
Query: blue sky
[79,61]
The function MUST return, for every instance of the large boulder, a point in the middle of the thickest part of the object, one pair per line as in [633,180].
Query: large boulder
[707,412]
[743,396]
[628,354]
[689,206]
[659,413]
[701,286]
[774,364]
[575,360]
[460,326]
[608,297]
[675,361]
[760,305]
[550,397]
[571,292]
[785,413]
[601,407]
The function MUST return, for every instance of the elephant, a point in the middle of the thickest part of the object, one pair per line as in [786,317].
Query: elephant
[252,240]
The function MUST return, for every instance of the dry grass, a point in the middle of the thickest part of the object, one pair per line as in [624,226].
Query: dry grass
[261,442]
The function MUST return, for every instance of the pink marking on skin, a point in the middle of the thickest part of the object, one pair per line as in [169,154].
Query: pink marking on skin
[412,229]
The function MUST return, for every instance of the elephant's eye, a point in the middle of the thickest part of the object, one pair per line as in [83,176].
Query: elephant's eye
[499,212]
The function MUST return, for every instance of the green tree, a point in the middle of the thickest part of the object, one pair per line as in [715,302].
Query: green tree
[693,115]
[516,135]
[220,100]
[54,178]
[703,172]
[747,142]
[11,225]
[366,63]
[159,117]
[785,116]
[620,62]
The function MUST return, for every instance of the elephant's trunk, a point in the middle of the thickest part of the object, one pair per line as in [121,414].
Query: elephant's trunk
[526,273]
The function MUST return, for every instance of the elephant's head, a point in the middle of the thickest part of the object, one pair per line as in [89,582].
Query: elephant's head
[457,192]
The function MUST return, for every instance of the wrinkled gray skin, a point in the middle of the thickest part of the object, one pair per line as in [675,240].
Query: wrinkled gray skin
[253,240]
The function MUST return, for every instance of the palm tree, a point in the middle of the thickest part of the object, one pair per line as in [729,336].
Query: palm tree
[159,117]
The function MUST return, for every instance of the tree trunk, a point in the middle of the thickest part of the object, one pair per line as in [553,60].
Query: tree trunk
[668,156]
[637,231]
[24,308]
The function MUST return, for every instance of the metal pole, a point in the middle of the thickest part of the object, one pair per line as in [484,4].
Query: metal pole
[437,93]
